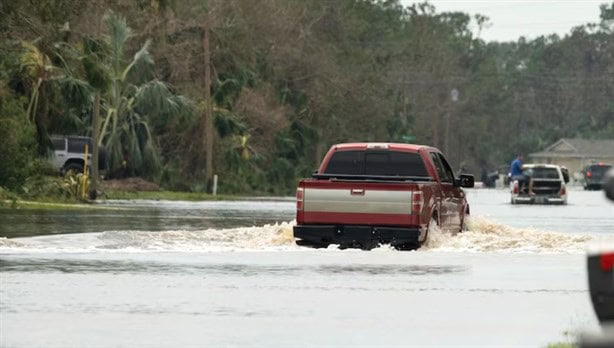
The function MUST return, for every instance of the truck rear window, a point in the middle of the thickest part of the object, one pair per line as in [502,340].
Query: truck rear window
[599,169]
[58,144]
[545,173]
[78,145]
[385,163]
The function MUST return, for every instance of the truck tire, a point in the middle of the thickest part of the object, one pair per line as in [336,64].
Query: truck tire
[75,167]
[310,244]
[406,246]
[433,223]
[463,226]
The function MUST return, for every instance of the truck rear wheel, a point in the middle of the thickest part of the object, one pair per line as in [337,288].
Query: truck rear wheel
[433,224]
[463,226]
[310,244]
[406,246]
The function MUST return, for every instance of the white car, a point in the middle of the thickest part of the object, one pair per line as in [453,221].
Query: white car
[69,153]
[549,185]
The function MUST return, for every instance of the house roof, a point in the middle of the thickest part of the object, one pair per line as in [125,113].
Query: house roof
[567,147]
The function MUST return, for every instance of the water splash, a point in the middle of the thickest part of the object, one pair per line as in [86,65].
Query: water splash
[9,243]
[242,238]
[484,235]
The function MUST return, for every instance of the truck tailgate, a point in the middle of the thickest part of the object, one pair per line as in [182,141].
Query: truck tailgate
[356,203]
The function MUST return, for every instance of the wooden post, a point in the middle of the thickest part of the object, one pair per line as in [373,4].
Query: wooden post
[95,130]
[208,119]
[215,184]
[84,177]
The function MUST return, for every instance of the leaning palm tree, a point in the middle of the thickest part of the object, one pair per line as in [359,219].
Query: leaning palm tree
[132,99]
[46,82]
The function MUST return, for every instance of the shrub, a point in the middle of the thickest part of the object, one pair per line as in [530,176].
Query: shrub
[18,154]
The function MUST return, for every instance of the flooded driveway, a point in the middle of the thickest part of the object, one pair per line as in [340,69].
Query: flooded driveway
[228,273]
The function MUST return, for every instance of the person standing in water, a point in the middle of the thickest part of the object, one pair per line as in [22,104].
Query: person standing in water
[523,176]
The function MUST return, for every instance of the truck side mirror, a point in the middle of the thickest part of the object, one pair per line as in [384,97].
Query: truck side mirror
[565,173]
[465,180]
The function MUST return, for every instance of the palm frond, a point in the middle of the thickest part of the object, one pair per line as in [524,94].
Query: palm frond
[152,98]
[113,145]
[34,63]
[134,149]
[76,92]
[96,73]
[151,161]
[140,68]
[119,33]
[228,124]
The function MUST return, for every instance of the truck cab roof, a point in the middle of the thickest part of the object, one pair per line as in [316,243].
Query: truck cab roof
[382,146]
[540,165]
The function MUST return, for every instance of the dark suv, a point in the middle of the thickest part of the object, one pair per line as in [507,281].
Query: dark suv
[69,153]
[594,175]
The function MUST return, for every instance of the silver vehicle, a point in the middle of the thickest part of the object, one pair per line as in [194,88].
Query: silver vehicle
[69,153]
[548,185]
[608,185]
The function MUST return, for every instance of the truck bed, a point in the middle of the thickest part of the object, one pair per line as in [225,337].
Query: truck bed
[354,202]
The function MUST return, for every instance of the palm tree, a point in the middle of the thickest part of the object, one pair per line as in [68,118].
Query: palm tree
[132,100]
[47,82]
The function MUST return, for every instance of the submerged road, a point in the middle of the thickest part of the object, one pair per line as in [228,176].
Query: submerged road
[207,274]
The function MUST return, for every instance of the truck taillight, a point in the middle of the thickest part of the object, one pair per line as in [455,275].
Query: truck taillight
[606,261]
[299,198]
[516,189]
[588,174]
[563,191]
[416,202]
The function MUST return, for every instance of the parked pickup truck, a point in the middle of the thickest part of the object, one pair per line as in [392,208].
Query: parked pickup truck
[69,153]
[548,185]
[366,194]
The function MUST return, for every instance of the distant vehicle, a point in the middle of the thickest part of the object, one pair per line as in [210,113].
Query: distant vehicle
[608,184]
[601,269]
[594,175]
[504,171]
[601,283]
[365,194]
[69,153]
[548,185]
[489,179]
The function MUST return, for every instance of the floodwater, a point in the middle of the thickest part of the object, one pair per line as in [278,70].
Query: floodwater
[180,274]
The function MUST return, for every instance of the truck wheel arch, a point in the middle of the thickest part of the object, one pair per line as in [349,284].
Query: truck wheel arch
[73,164]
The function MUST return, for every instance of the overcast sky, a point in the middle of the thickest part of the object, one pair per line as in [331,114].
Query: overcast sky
[510,19]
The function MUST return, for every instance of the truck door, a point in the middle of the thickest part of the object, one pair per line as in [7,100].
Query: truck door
[453,196]
[59,152]
[446,186]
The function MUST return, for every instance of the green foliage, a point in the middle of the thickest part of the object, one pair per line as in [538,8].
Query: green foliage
[132,101]
[18,153]
[290,78]
[67,188]
[561,345]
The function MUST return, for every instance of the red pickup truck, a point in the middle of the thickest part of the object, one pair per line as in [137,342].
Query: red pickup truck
[366,194]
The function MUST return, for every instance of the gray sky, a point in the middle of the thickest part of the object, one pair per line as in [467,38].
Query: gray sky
[510,19]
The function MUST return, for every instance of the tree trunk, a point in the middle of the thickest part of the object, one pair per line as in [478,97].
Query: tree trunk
[95,134]
[446,140]
[435,129]
[208,120]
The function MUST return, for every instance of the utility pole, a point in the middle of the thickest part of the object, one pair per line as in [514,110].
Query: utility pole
[446,135]
[208,120]
[95,134]
[454,97]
